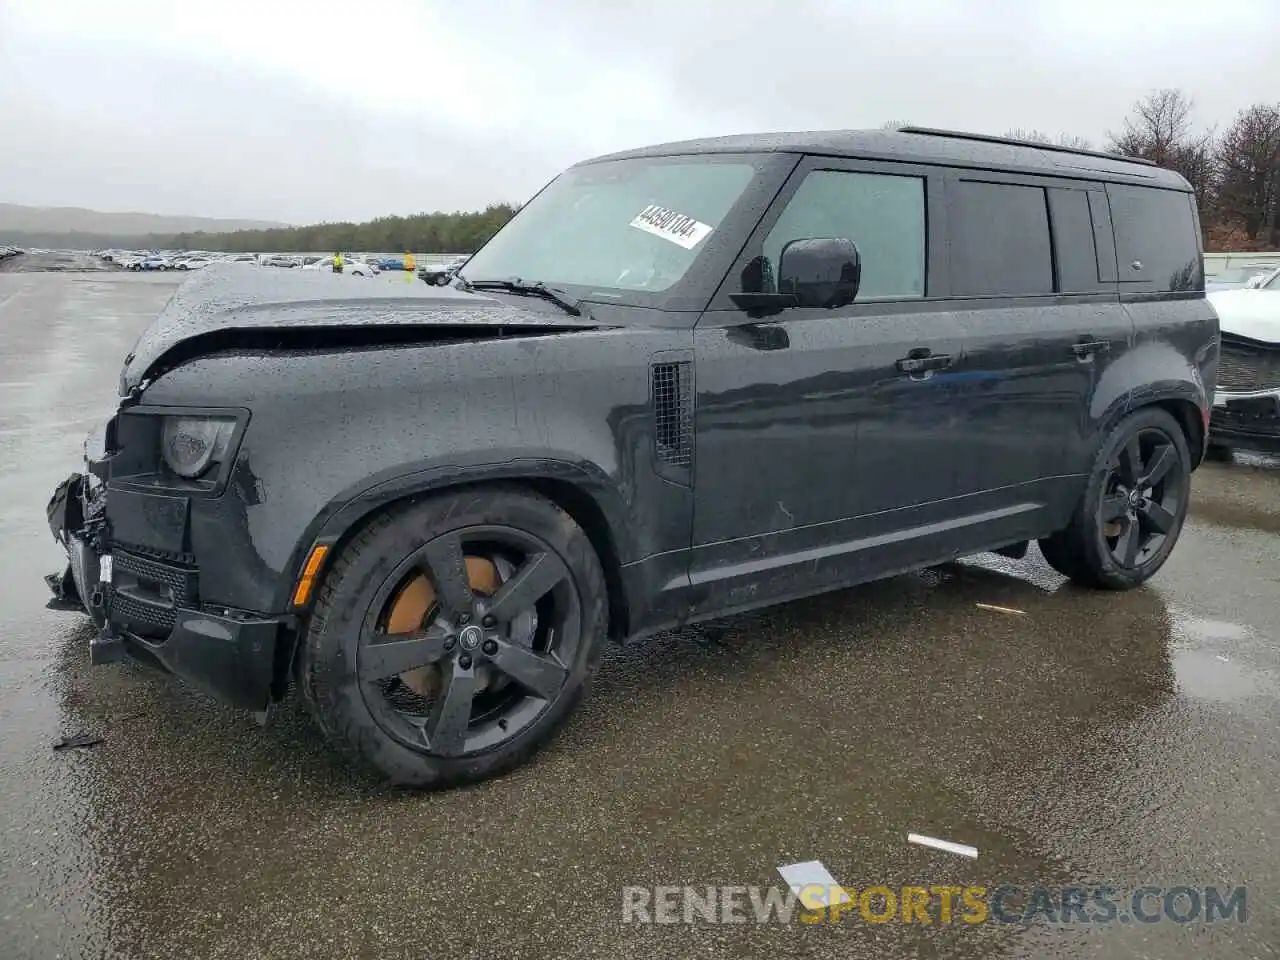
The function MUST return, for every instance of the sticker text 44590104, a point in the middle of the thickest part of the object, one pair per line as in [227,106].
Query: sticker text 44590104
[676,227]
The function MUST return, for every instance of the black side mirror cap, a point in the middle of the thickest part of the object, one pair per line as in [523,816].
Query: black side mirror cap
[820,271]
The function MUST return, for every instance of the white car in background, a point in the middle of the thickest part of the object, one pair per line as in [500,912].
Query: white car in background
[356,268]
[1246,406]
[192,263]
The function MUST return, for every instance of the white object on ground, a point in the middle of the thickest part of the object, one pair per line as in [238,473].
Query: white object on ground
[959,849]
[810,874]
[992,606]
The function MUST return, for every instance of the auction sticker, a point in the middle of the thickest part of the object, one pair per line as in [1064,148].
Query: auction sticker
[670,225]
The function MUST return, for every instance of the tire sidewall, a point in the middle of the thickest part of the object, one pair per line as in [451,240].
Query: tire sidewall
[333,637]
[1099,553]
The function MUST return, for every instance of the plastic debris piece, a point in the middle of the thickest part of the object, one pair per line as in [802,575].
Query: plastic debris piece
[959,849]
[992,606]
[810,875]
[79,740]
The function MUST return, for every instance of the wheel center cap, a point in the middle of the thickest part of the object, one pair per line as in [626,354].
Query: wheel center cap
[1135,498]
[470,637]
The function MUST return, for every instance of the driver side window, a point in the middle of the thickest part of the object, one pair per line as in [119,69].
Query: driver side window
[884,214]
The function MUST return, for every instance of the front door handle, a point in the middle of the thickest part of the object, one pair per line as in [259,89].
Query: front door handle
[1088,348]
[922,359]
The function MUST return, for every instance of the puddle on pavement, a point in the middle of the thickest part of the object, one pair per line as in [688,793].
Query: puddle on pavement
[1213,660]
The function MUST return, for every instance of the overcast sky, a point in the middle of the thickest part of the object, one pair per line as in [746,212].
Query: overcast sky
[304,111]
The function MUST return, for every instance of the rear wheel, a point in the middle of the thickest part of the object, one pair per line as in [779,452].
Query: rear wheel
[1133,508]
[454,636]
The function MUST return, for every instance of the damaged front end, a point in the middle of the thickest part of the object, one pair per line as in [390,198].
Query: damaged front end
[1246,410]
[77,518]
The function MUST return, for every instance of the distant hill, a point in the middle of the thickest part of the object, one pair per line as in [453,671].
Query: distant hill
[77,227]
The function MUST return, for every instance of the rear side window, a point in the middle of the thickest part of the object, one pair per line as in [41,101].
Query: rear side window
[882,213]
[1073,241]
[1156,242]
[999,240]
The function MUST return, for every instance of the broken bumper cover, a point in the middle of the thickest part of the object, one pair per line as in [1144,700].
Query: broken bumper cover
[147,604]
[1249,421]
[230,655]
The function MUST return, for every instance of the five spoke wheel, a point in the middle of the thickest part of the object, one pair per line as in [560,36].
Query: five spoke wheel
[479,625]
[1143,498]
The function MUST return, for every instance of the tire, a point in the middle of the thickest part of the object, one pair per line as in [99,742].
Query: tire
[390,718]
[442,280]
[1126,524]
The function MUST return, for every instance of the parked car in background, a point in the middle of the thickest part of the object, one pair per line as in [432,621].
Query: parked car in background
[1246,407]
[192,263]
[389,263]
[279,260]
[430,513]
[152,262]
[356,268]
[439,274]
[1238,278]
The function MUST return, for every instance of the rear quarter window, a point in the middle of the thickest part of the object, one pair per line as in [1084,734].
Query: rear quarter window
[1157,247]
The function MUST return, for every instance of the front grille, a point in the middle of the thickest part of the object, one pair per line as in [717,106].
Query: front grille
[140,615]
[146,592]
[1243,368]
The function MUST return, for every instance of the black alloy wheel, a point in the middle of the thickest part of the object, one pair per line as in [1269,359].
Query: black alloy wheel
[453,636]
[1134,505]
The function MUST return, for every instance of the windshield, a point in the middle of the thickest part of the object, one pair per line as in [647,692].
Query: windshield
[634,224]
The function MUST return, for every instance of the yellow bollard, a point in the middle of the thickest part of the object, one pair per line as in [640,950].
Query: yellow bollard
[410,268]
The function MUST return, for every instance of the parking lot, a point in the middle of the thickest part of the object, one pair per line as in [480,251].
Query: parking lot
[1073,737]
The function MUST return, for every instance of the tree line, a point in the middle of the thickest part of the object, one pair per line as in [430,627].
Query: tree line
[1234,171]
[462,232]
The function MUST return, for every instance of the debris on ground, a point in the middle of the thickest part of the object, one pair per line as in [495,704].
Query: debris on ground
[810,874]
[79,740]
[946,846]
[992,606]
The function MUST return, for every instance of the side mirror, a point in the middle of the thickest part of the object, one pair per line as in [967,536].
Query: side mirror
[820,271]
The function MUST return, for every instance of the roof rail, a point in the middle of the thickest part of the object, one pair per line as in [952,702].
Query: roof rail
[987,138]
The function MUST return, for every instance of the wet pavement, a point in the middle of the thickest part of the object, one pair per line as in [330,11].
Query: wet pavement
[1084,738]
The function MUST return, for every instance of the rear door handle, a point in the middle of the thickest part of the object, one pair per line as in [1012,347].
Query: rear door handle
[1088,348]
[922,359]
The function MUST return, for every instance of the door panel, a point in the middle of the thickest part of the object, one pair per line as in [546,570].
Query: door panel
[806,428]
[1033,356]
[812,443]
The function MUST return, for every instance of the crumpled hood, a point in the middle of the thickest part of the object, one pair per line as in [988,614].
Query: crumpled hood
[1248,313]
[235,300]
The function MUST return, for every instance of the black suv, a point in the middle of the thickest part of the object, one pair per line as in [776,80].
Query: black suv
[682,382]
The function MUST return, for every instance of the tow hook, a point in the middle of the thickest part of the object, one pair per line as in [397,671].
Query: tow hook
[106,647]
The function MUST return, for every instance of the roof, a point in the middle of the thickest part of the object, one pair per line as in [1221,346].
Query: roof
[923,145]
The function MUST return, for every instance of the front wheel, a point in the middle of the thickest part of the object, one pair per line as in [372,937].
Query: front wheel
[1133,507]
[453,636]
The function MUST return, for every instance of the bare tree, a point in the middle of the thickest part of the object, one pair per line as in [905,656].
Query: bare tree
[1039,136]
[1248,160]
[1159,129]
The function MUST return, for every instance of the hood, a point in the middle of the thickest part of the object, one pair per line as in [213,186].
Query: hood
[1248,313]
[239,305]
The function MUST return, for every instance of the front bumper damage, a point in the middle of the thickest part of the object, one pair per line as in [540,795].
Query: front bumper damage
[146,601]
[1247,421]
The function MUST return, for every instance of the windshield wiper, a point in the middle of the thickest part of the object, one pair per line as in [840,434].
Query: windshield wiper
[521,288]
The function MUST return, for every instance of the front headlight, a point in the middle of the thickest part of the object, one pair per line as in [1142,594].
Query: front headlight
[191,445]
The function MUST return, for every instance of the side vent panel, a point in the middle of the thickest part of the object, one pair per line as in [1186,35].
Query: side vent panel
[671,390]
